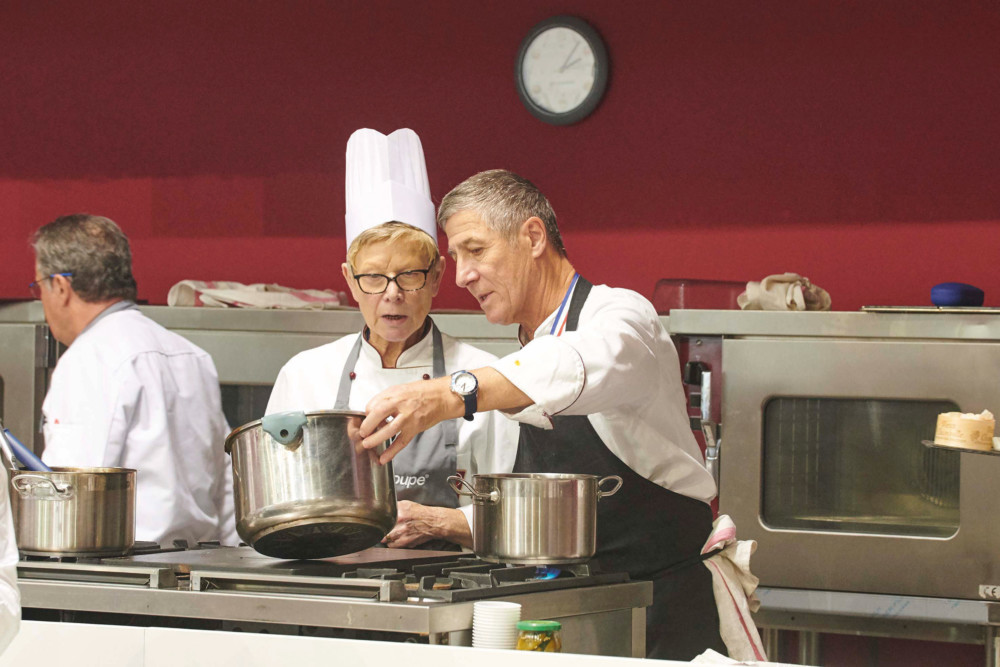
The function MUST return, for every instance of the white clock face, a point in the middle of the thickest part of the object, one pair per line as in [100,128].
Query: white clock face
[558,70]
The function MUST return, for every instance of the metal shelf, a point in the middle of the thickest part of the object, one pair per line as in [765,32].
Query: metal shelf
[963,450]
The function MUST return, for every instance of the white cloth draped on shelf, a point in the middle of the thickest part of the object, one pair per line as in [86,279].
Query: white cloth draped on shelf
[784,291]
[228,294]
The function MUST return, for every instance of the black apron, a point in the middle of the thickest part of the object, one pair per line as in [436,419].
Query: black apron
[421,469]
[644,529]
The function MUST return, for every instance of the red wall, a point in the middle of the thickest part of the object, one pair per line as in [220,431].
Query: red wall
[856,143]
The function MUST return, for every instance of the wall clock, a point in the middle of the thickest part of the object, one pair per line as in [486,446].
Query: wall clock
[561,70]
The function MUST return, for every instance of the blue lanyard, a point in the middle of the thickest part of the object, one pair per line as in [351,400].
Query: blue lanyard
[562,305]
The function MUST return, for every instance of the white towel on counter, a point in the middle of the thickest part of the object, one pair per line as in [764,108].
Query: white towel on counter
[226,294]
[784,291]
[711,657]
[734,587]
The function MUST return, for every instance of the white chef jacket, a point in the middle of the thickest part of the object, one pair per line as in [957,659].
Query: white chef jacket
[621,370]
[10,597]
[130,394]
[310,380]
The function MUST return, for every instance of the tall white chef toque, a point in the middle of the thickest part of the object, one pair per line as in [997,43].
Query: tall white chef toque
[387,181]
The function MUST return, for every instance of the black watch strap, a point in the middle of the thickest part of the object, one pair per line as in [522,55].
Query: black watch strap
[470,405]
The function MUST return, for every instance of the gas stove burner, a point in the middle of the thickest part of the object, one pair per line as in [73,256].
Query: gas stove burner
[431,583]
[66,556]
[411,581]
[375,573]
[467,579]
[183,545]
[544,572]
[138,549]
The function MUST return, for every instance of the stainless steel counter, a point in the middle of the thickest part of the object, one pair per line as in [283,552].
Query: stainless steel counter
[811,612]
[236,589]
[973,325]
[603,612]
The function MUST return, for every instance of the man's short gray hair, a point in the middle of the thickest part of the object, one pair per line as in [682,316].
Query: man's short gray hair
[504,200]
[93,249]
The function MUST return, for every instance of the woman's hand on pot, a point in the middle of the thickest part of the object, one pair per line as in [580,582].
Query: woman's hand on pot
[416,524]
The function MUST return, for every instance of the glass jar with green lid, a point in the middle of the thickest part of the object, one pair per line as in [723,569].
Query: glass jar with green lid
[539,636]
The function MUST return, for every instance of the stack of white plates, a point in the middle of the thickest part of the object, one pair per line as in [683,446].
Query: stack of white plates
[494,624]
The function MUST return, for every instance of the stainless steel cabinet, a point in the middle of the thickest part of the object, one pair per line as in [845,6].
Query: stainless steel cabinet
[248,346]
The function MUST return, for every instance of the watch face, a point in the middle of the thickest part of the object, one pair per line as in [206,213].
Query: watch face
[558,70]
[465,383]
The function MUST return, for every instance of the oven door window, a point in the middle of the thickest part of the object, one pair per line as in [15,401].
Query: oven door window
[858,466]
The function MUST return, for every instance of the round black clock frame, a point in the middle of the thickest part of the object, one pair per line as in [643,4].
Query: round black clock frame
[601,67]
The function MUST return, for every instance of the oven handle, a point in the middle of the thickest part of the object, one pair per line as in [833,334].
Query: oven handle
[713,443]
[711,430]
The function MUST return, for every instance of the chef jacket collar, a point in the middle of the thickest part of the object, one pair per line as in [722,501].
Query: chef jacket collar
[409,357]
[549,324]
[117,306]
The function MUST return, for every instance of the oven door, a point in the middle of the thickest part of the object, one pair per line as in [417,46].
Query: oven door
[822,464]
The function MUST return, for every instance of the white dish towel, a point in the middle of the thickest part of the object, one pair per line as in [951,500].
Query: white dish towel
[784,291]
[227,294]
[734,586]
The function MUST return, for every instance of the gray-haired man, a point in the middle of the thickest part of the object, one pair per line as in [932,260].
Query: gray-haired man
[127,392]
[596,389]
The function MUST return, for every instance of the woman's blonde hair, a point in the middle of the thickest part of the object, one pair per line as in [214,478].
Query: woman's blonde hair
[394,232]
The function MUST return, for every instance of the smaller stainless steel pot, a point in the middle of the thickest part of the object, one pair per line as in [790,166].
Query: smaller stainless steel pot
[74,511]
[535,518]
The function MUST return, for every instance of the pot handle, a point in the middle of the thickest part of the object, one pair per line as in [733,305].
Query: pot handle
[604,494]
[456,482]
[285,427]
[63,492]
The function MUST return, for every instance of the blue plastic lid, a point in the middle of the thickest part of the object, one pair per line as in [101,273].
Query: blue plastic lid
[956,294]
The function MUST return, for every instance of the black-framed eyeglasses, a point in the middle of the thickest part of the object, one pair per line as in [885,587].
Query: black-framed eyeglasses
[408,281]
[36,286]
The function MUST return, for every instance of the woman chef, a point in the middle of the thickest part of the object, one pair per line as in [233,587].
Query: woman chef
[394,269]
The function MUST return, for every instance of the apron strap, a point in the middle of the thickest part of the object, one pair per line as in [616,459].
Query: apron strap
[344,391]
[450,426]
[437,368]
[576,305]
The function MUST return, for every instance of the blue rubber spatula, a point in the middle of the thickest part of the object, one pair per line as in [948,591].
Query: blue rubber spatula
[18,453]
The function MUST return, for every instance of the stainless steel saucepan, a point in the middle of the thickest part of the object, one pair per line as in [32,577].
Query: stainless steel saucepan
[535,518]
[305,487]
[74,511]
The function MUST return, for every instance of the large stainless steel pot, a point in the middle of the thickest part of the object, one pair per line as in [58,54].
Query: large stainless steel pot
[74,511]
[534,518]
[305,487]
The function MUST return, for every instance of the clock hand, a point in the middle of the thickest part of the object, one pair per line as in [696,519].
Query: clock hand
[568,56]
[567,66]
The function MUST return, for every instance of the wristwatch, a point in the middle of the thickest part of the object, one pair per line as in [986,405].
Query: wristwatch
[466,385]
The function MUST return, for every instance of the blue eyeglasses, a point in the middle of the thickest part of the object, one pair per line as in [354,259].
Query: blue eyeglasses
[36,286]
